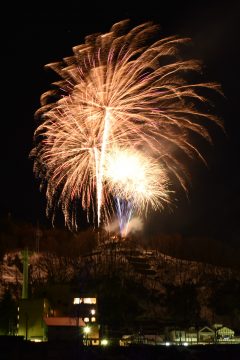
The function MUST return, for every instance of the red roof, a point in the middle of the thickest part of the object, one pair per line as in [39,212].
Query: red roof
[64,321]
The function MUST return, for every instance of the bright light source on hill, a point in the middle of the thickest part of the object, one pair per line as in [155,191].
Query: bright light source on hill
[87,330]
[104,342]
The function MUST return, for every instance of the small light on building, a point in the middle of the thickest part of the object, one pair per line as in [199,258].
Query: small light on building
[86,319]
[93,319]
[93,311]
[167,343]
[86,329]
[104,342]
[185,344]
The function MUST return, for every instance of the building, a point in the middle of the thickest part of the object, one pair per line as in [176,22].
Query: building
[177,335]
[68,318]
[192,335]
[183,336]
[206,335]
[224,334]
[64,328]
[86,308]
[31,313]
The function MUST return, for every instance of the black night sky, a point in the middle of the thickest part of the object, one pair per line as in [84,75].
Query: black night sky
[36,35]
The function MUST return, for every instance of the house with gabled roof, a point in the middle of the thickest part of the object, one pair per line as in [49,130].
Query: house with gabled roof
[206,335]
[224,334]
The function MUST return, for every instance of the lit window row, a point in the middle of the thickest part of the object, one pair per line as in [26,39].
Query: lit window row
[84,301]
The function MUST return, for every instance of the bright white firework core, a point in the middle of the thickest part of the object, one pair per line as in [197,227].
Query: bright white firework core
[136,177]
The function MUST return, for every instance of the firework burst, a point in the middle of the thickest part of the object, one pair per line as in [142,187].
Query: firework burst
[136,178]
[136,181]
[119,89]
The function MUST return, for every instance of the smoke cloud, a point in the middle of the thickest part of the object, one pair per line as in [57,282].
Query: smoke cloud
[134,225]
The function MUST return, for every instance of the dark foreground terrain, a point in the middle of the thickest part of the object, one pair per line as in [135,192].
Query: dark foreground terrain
[14,349]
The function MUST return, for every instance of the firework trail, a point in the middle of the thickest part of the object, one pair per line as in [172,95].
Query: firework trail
[119,89]
[124,213]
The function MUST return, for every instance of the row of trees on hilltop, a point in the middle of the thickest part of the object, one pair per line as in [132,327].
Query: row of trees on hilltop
[60,241]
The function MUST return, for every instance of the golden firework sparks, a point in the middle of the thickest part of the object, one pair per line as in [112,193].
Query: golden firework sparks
[116,90]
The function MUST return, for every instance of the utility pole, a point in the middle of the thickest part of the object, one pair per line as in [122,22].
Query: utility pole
[25,285]
[38,236]
[25,273]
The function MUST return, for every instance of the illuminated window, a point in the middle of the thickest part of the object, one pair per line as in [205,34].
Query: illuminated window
[93,312]
[84,300]
[93,319]
[86,319]
[78,300]
[95,342]
[89,300]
